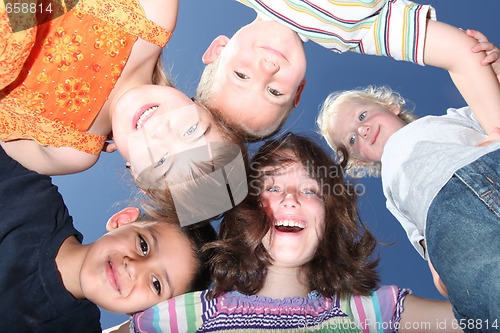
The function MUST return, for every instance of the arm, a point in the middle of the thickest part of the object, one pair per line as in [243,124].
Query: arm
[425,315]
[48,160]
[450,48]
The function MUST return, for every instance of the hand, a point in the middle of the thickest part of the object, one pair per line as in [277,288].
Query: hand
[494,136]
[109,147]
[484,45]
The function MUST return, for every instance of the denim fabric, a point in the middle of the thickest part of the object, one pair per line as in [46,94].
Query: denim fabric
[463,242]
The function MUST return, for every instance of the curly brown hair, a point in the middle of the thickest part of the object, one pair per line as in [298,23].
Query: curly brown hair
[344,262]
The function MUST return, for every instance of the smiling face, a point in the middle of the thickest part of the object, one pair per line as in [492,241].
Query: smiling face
[151,123]
[290,197]
[136,266]
[364,127]
[260,75]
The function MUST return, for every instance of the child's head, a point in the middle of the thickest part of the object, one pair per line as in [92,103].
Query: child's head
[170,142]
[298,212]
[358,123]
[254,79]
[138,264]
[152,122]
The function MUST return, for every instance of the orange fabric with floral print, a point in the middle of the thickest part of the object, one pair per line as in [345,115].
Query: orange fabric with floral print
[73,66]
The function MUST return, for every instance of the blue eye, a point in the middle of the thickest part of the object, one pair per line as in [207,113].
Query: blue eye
[191,130]
[273,189]
[362,116]
[309,191]
[352,139]
[161,160]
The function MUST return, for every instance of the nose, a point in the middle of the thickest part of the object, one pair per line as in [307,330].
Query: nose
[269,65]
[132,268]
[364,130]
[290,200]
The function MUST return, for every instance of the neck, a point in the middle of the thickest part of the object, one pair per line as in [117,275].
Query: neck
[284,282]
[69,260]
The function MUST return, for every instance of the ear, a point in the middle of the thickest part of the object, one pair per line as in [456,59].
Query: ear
[215,49]
[300,89]
[123,217]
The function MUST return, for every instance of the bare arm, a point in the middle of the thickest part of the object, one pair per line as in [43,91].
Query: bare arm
[425,315]
[450,48]
[48,160]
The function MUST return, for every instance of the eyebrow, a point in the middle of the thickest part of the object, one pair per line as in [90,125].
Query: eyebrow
[155,236]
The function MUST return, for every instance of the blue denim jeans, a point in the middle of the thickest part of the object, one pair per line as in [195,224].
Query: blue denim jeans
[463,242]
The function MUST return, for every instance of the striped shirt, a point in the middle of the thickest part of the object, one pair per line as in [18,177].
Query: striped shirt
[392,28]
[235,312]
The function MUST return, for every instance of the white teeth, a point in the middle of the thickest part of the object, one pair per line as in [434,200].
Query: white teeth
[290,223]
[145,116]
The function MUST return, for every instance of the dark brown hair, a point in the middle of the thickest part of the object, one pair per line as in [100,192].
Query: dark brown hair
[343,263]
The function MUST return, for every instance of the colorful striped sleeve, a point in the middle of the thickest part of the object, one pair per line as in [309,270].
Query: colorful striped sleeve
[380,312]
[180,314]
[393,28]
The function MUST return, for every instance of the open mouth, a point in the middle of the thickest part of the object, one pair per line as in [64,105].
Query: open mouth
[292,226]
[148,112]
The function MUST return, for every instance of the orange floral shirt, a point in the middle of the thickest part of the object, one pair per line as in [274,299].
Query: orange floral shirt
[57,75]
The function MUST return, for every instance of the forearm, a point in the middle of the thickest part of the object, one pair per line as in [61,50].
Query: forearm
[450,48]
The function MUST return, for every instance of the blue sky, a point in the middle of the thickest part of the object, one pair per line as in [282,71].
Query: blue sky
[94,195]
